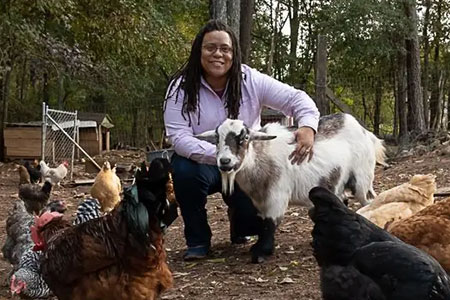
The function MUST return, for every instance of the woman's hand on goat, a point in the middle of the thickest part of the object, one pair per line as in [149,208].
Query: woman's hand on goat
[304,137]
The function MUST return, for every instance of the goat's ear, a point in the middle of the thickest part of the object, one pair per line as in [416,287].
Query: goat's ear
[260,136]
[209,136]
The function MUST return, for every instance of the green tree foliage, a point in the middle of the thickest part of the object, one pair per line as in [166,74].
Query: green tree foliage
[102,56]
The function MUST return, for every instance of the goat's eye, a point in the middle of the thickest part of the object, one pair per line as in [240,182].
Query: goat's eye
[243,139]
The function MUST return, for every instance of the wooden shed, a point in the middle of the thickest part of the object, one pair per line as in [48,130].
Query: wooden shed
[94,131]
[22,140]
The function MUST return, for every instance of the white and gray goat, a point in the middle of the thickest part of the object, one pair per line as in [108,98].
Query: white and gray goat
[345,154]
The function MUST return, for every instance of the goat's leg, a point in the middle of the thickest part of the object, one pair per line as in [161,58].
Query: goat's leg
[266,242]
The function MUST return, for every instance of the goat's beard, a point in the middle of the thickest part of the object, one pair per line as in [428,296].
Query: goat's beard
[228,182]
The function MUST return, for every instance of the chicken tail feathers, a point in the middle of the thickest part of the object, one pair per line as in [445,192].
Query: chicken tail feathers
[138,220]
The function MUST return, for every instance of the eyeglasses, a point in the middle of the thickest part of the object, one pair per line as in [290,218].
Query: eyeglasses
[211,48]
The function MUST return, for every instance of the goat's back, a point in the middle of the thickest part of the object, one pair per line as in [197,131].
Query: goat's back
[343,151]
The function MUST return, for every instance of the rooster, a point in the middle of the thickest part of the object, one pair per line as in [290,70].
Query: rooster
[359,260]
[34,196]
[106,188]
[55,175]
[117,256]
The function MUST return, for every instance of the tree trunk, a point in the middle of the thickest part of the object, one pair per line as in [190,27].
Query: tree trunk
[233,15]
[435,98]
[274,21]
[247,9]
[426,53]
[364,104]
[321,76]
[45,91]
[403,136]
[294,22]
[394,84]
[416,119]
[376,113]
[61,91]
[218,10]
[22,84]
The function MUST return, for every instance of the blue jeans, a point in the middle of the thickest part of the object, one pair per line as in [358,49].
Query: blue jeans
[193,182]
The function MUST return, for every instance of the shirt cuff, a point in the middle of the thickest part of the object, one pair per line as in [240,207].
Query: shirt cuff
[309,122]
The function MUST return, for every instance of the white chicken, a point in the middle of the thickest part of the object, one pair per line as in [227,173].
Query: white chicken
[55,175]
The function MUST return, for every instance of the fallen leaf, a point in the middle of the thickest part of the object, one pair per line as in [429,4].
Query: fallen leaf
[287,280]
[259,279]
[216,260]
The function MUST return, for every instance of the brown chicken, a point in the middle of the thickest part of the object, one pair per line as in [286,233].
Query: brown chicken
[117,256]
[401,201]
[35,196]
[107,188]
[24,176]
[429,230]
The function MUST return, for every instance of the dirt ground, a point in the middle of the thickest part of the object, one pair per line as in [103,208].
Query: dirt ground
[228,274]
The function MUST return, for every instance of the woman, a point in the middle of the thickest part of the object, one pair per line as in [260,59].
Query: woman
[213,85]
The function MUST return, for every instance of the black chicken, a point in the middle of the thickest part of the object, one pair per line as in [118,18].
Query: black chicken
[360,261]
[35,173]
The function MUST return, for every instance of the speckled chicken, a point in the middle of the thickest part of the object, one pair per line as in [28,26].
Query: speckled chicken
[401,201]
[360,261]
[429,230]
[107,187]
[27,280]
[87,210]
[18,224]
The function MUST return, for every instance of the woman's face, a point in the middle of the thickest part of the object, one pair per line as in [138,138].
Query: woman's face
[217,54]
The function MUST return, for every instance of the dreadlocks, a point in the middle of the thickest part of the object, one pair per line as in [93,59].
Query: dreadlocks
[190,73]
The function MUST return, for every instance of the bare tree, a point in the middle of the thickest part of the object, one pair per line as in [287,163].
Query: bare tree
[321,76]
[416,118]
[426,53]
[247,9]
[436,97]
[227,11]
[294,22]
[234,15]
[218,10]
[401,106]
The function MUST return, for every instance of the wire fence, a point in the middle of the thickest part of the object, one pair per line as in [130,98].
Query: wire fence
[56,146]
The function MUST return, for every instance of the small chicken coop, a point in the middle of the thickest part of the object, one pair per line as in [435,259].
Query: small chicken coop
[94,131]
[23,140]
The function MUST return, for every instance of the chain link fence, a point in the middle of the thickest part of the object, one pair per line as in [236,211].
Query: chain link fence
[57,127]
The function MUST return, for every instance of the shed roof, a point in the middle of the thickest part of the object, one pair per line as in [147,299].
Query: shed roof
[27,124]
[100,118]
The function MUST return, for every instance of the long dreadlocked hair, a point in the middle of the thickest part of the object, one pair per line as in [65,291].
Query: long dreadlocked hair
[190,73]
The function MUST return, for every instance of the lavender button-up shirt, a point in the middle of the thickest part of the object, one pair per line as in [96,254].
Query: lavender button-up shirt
[258,90]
